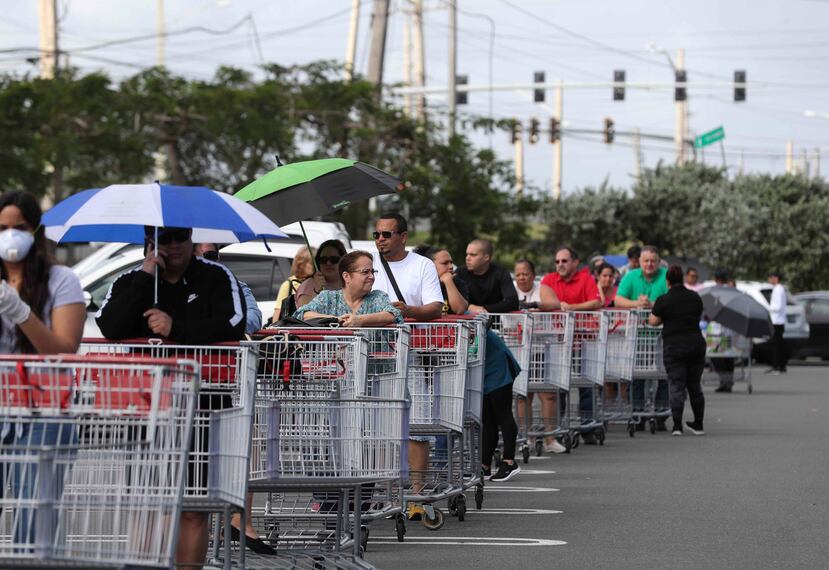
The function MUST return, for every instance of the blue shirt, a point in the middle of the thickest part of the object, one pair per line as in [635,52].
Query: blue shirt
[333,303]
[253,318]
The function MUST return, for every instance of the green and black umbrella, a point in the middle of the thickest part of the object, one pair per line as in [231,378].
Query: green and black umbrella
[303,190]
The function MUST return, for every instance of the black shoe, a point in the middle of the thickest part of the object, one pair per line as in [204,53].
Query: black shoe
[695,428]
[257,545]
[506,471]
[726,389]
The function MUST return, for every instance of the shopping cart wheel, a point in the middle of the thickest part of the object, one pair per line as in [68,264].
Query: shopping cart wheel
[525,453]
[479,497]
[631,429]
[434,523]
[652,423]
[461,506]
[750,389]
[539,448]
[496,459]
[567,442]
[400,527]
[364,538]
[576,440]
[453,506]
[600,436]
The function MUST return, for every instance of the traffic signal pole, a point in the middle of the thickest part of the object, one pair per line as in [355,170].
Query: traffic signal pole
[453,65]
[557,150]
[681,115]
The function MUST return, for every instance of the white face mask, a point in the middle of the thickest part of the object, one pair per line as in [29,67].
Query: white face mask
[15,244]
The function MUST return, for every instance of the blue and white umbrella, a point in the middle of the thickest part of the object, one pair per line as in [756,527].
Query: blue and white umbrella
[119,213]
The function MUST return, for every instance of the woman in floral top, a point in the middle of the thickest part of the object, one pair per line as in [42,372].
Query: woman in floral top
[356,305]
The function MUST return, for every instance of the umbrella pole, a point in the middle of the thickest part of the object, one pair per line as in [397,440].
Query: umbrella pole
[155,281]
[313,257]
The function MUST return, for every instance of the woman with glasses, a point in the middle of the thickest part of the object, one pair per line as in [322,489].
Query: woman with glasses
[355,305]
[328,277]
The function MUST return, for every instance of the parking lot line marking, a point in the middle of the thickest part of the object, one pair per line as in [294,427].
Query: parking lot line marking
[466,541]
[536,472]
[495,488]
[487,511]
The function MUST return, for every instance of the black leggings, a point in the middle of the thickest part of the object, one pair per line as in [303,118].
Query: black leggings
[684,360]
[497,413]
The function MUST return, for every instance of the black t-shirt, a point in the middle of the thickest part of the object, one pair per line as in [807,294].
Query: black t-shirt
[493,290]
[680,310]
[462,289]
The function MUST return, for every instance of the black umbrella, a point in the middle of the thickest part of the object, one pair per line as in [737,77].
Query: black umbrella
[737,311]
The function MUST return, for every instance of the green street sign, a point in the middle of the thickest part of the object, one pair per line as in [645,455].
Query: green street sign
[710,137]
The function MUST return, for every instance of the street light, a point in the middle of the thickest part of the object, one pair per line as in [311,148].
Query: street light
[653,48]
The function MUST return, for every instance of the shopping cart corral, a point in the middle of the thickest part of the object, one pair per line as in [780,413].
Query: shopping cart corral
[94,460]
[220,451]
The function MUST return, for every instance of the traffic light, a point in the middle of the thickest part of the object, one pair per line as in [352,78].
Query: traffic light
[461,98]
[609,130]
[515,131]
[619,85]
[740,85]
[534,130]
[538,94]
[555,130]
[680,93]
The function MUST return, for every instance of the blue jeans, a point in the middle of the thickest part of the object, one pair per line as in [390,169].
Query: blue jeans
[28,484]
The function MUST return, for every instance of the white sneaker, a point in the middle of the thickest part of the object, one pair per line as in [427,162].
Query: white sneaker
[676,432]
[554,447]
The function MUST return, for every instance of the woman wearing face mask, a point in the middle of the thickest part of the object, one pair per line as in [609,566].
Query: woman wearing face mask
[41,312]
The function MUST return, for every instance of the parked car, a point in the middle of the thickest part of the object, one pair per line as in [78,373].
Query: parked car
[263,271]
[317,233]
[816,305]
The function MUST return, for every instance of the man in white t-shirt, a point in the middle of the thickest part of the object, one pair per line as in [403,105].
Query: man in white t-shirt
[422,300]
[777,308]
[414,274]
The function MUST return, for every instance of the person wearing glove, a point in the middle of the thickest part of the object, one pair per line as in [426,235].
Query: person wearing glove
[42,311]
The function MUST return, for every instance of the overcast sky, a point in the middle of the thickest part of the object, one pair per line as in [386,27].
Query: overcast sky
[783,46]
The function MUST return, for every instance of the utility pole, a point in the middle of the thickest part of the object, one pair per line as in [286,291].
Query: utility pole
[351,47]
[817,162]
[680,120]
[519,160]
[557,145]
[453,64]
[804,161]
[379,24]
[637,148]
[407,63]
[48,38]
[162,35]
[790,157]
[419,58]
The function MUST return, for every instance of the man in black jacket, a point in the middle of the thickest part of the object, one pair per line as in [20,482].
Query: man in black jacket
[199,302]
[490,286]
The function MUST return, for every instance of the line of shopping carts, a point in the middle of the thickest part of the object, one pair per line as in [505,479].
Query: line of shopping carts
[309,435]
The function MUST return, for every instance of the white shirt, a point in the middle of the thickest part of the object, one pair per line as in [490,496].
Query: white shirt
[531,296]
[778,305]
[416,277]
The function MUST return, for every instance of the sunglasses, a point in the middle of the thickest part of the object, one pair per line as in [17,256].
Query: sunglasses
[333,259]
[212,255]
[168,236]
[365,272]
[558,261]
[386,235]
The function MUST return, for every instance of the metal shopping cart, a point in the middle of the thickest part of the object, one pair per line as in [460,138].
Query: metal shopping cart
[617,406]
[94,459]
[650,381]
[220,453]
[321,443]
[438,357]
[549,373]
[516,329]
[588,361]
[727,353]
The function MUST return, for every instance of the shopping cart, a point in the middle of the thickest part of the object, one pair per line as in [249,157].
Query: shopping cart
[94,459]
[727,353]
[438,356]
[549,373]
[650,381]
[322,444]
[588,359]
[515,329]
[621,346]
[220,453]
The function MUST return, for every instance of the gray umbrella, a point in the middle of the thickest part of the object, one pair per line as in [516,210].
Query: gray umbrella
[737,311]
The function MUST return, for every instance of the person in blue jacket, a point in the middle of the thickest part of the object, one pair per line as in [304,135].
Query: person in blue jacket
[500,372]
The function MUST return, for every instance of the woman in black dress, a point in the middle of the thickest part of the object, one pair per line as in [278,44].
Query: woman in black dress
[683,348]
